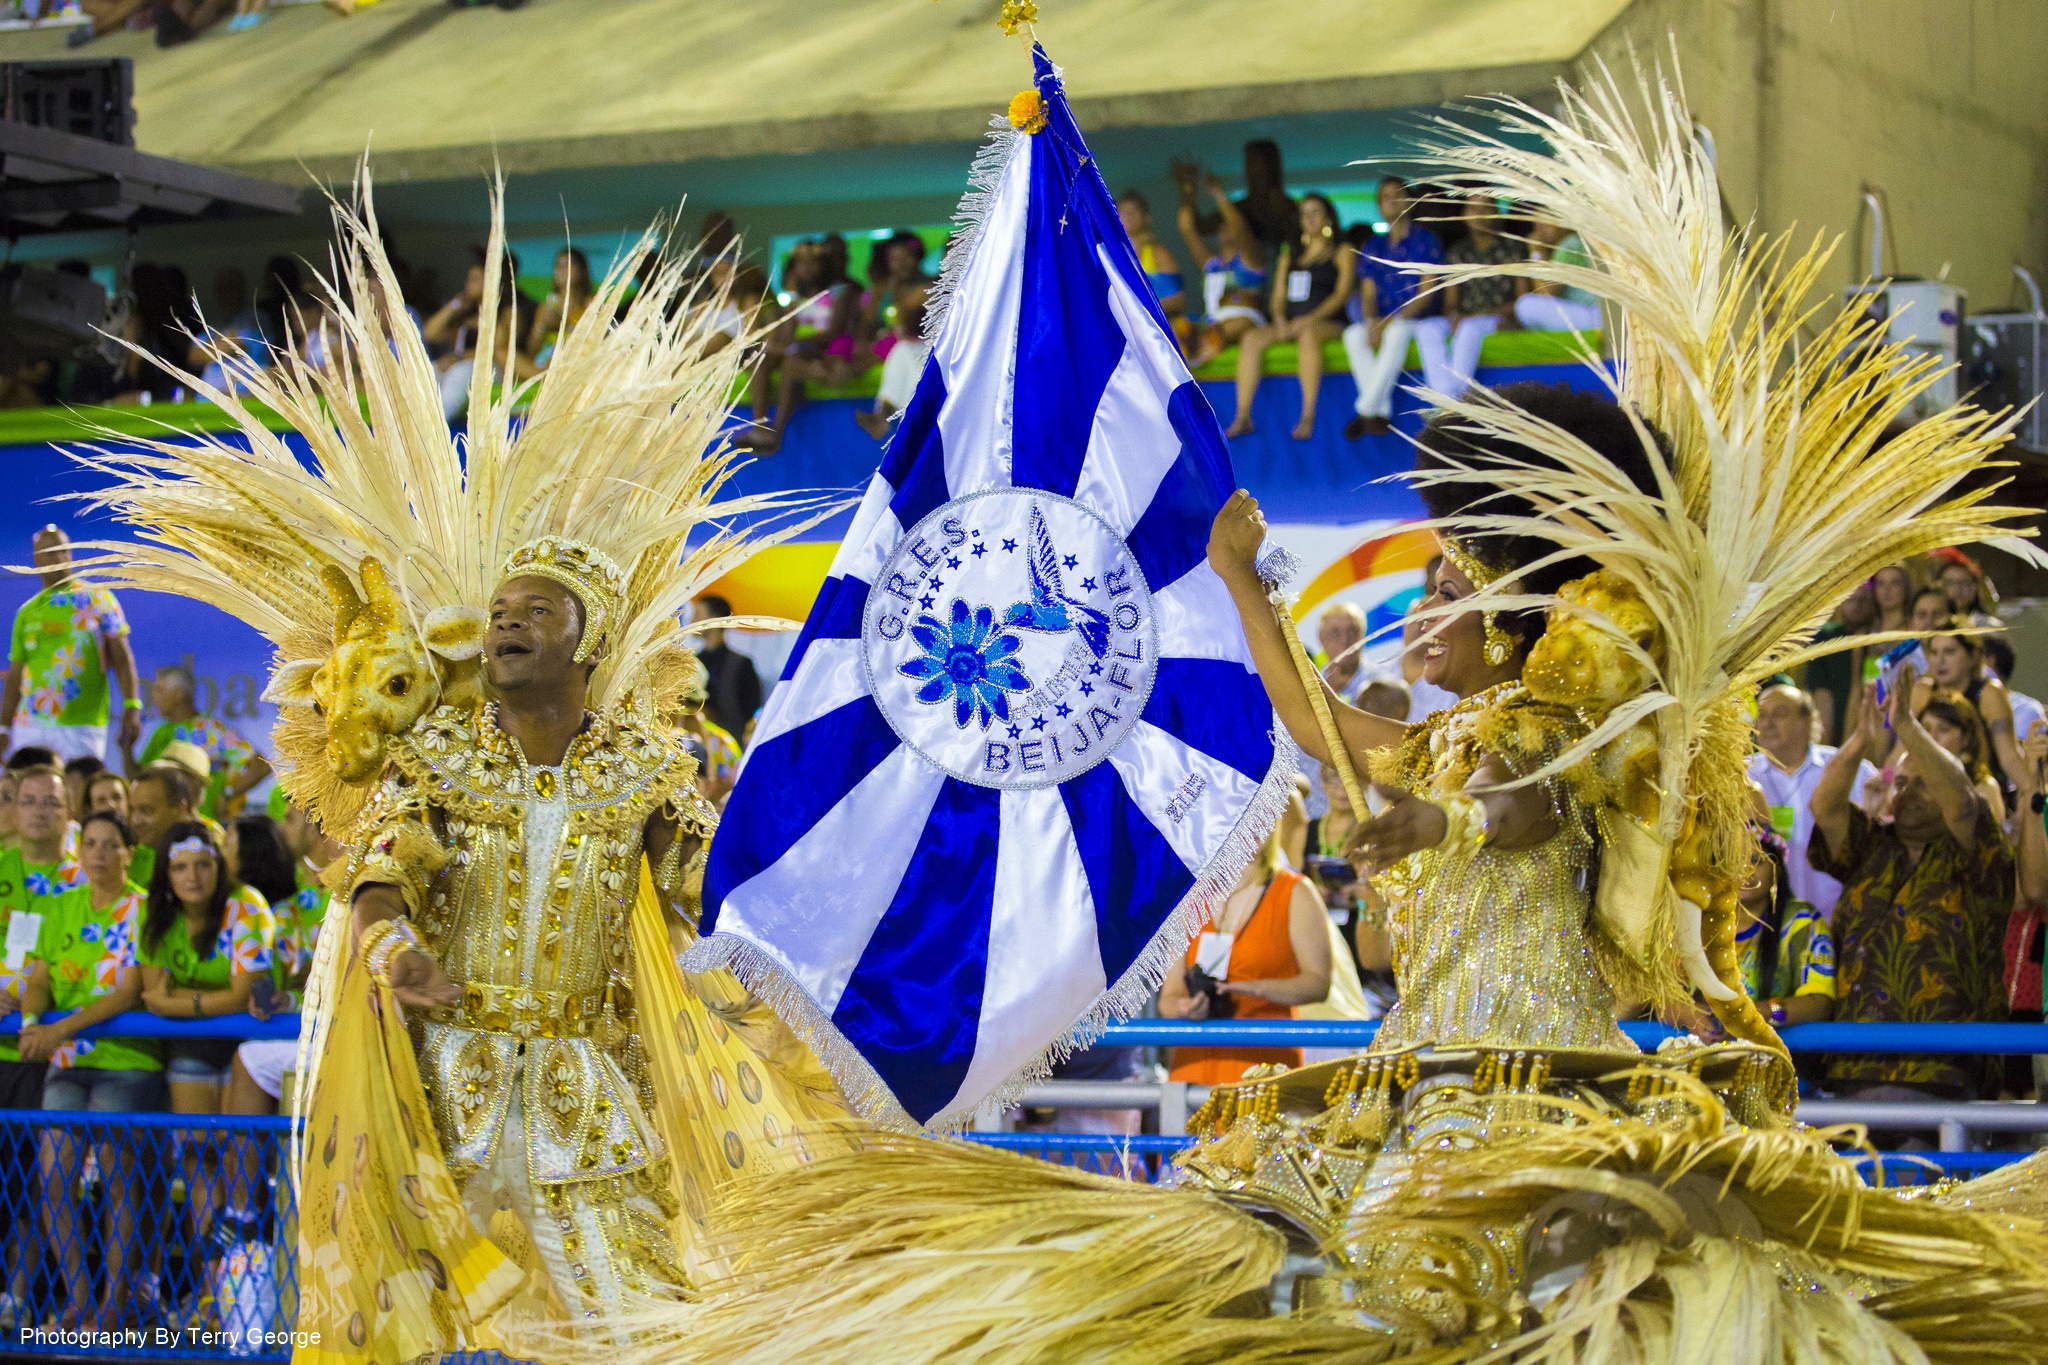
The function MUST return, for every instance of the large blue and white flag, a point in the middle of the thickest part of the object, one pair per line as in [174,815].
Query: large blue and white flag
[1019,748]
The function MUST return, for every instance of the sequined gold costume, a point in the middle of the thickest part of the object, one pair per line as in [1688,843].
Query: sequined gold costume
[1491,949]
[536,1167]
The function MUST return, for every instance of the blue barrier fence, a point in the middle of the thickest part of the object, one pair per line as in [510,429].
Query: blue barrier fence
[115,1242]
[125,1210]
[1988,1039]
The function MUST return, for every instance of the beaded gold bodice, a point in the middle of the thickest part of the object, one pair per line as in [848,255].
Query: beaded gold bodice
[530,913]
[1494,946]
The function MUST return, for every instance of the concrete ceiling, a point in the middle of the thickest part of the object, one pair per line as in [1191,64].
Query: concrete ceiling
[563,85]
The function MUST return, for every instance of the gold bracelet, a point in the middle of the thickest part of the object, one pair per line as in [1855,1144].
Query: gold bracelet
[1464,825]
[383,942]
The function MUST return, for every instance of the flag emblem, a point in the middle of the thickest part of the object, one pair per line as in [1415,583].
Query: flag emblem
[1010,639]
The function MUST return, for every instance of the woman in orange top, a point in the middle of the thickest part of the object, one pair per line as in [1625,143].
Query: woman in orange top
[1278,956]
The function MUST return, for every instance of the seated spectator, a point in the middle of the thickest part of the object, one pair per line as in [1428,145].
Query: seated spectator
[1234,263]
[1832,679]
[256,1080]
[902,367]
[1929,612]
[1391,300]
[1923,908]
[233,767]
[1788,765]
[1162,271]
[1552,307]
[563,307]
[1268,951]
[1787,954]
[1932,611]
[84,963]
[32,384]
[1892,588]
[1310,286]
[817,341]
[281,302]
[745,308]
[1473,309]
[206,940]
[1970,594]
[37,862]
[454,332]
[1265,206]
[107,791]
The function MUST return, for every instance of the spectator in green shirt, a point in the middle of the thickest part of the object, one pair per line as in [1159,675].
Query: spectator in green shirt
[205,941]
[233,766]
[85,963]
[66,639]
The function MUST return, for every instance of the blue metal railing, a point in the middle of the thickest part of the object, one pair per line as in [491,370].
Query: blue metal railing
[123,1206]
[1989,1039]
[125,1212]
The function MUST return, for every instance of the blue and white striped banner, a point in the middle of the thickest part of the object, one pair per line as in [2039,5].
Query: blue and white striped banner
[1019,747]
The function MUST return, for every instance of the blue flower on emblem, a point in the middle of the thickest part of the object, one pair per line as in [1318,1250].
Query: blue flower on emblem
[969,662]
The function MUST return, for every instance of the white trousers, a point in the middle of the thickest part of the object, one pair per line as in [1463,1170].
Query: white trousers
[65,741]
[1377,371]
[1550,313]
[900,371]
[1451,357]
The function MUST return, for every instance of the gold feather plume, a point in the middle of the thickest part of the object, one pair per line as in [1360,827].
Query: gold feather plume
[618,444]
[1780,492]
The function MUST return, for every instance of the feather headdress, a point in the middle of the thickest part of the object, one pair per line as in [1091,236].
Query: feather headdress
[617,446]
[1779,484]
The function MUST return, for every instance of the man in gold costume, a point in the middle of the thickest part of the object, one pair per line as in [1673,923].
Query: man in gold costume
[494,893]
[517,1113]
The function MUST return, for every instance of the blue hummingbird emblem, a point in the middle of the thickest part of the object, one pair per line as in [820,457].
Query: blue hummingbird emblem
[1050,611]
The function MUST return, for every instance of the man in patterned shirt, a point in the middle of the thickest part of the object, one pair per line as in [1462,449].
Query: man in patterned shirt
[67,639]
[233,766]
[1921,918]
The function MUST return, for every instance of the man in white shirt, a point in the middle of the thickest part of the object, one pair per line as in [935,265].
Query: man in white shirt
[1787,766]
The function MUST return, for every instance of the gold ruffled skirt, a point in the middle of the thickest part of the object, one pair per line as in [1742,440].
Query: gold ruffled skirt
[1427,1205]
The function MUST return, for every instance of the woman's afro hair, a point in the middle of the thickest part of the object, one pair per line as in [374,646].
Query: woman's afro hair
[1449,441]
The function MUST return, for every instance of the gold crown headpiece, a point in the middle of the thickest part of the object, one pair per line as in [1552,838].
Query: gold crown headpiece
[582,568]
[1500,646]
[1474,565]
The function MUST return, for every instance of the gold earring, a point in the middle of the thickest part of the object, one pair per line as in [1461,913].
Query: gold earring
[1500,646]
[1328,231]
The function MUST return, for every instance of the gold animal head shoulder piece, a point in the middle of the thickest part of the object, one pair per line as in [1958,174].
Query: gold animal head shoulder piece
[582,568]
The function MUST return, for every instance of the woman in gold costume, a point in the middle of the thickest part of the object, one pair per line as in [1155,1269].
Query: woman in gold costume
[1489,927]
[1503,1176]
